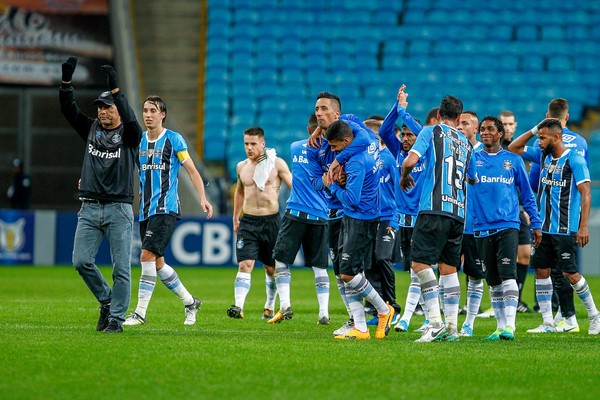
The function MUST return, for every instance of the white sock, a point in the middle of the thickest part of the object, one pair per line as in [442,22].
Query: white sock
[510,296]
[355,302]
[430,292]
[412,298]
[342,288]
[364,288]
[146,287]
[583,291]
[558,317]
[543,293]
[451,286]
[171,280]
[322,287]
[241,287]
[474,296]
[497,298]
[283,277]
[271,290]
[424,307]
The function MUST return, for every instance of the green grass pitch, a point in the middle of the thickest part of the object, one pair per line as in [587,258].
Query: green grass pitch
[50,349]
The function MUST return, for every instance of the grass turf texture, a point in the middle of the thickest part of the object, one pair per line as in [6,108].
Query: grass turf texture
[50,348]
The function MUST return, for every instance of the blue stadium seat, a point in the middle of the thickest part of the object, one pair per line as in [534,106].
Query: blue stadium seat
[560,63]
[526,33]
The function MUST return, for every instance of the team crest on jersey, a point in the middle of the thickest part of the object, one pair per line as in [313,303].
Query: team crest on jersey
[98,134]
[507,165]
[157,153]
[116,138]
[568,138]
[239,244]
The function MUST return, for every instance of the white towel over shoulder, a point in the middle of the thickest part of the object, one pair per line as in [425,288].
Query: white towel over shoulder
[265,165]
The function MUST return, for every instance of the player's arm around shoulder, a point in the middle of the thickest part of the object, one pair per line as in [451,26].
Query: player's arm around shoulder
[283,171]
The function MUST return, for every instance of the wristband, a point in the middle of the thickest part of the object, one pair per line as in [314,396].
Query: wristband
[534,130]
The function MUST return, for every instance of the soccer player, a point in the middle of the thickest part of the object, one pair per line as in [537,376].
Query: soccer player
[256,195]
[438,231]
[564,199]
[360,198]
[381,271]
[494,206]
[565,320]
[468,125]
[407,202]
[510,124]
[162,152]
[304,223]
[105,191]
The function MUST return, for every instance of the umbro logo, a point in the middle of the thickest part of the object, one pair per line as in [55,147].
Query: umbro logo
[566,256]
[506,261]
[345,256]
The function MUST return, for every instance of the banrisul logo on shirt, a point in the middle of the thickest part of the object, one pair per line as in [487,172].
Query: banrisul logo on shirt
[507,165]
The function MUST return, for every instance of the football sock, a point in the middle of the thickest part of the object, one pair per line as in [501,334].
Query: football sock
[171,280]
[146,287]
[322,287]
[355,303]
[510,291]
[364,288]
[430,292]
[497,298]
[451,286]
[283,277]
[583,291]
[271,290]
[412,298]
[342,288]
[241,287]
[543,293]
[474,296]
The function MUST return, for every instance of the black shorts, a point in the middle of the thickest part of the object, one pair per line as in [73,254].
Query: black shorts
[498,253]
[156,232]
[472,266]
[312,237]
[356,244]
[437,238]
[256,238]
[405,240]
[333,232]
[556,251]
[524,230]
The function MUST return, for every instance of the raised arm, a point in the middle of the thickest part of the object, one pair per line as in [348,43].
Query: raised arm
[79,121]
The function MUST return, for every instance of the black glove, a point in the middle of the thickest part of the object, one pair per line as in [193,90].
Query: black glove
[68,67]
[111,75]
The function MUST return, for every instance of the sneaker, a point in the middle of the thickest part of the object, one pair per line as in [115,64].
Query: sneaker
[564,326]
[281,315]
[235,312]
[190,312]
[113,327]
[373,321]
[134,319]
[466,330]
[452,336]
[433,334]
[342,330]
[324,320]
[489,313]
[423,326]
[103,319]
[419,310]
[384,322]
[594,325]
[508,333]
[267,314]
[524,309]
[396,318]
[354,334]
[401,326]
[494,336]
[543,328]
